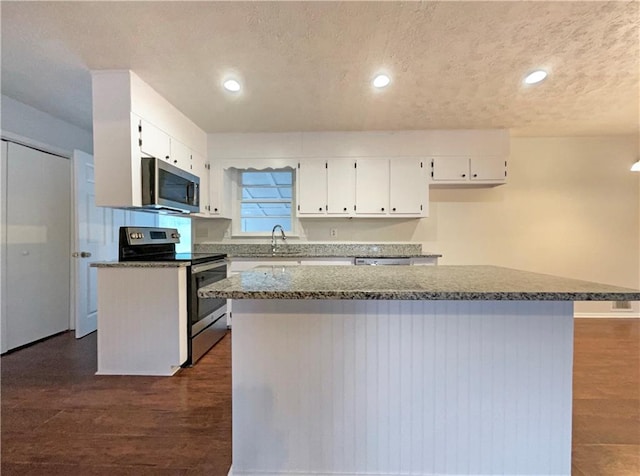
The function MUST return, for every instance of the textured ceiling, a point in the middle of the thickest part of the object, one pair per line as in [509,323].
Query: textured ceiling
[307,66]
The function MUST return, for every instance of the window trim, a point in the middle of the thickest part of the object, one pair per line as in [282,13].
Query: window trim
[236,190]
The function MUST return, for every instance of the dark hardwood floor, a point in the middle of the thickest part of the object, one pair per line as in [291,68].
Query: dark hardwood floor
[58,418]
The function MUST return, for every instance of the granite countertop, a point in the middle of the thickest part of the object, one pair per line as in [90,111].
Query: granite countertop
[316,250]
[140,264]
[410,283]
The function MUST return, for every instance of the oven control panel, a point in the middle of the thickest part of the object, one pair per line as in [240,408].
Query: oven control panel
[149,235]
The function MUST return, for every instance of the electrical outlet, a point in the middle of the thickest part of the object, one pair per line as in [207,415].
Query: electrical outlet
[333,232]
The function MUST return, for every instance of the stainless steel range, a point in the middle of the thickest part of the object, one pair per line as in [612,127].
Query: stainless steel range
[207,322]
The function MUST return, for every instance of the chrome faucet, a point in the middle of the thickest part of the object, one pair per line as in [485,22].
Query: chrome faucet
[274,238]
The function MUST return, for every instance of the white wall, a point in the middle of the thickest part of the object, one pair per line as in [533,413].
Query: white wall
[21,120]
[571,207]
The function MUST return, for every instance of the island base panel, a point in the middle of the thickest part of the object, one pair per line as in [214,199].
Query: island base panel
[402,387]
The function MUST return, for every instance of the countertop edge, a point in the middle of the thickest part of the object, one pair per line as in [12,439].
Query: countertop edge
[140,264]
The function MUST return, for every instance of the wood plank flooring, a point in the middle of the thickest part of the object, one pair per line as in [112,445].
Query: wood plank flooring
[58,418]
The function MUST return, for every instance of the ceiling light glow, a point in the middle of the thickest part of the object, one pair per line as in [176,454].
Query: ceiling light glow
[636,167]
[535,77]
[231,85]
[381,81]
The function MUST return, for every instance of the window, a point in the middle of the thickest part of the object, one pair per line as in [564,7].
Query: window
[265,200]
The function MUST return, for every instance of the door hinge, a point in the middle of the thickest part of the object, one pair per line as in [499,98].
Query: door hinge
[354,208]
[298,164]
[355,165]
[420,207]
[139,142]
[298,207]
[432,174]
[326,165]
[421,166]
[326,208]
[140,128]
[505,173]
[207,166]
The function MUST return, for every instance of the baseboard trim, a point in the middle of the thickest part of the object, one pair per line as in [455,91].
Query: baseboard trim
[607,315]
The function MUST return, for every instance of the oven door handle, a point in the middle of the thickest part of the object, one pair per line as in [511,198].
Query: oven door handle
[207,266]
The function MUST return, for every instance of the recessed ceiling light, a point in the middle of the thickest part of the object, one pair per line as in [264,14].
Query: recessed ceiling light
[381,81]
[535,77]
[231,85]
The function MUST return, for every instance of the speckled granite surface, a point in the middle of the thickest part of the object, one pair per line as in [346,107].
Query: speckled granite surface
[329,250]
[140,264]
[486,283]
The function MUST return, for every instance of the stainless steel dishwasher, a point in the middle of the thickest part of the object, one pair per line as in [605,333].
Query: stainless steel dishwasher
[383,261]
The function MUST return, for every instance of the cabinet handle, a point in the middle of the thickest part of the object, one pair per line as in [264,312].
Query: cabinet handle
[382,209]
[345,209]
[167,157]
[320,209]
[393,209]
[464,175]
[175,161]
[215,209]
[475,175]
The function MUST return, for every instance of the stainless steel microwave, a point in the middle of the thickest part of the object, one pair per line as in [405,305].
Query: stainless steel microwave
[166,187]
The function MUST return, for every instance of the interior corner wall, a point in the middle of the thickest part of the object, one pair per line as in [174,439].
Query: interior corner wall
[42,129]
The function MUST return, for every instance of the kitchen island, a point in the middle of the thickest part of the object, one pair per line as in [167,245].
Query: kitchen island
[403,370]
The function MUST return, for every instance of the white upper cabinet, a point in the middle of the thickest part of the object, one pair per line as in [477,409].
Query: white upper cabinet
[219,192]
[488,168]
[312,187]
[131,121]
[450,169]
[365,187]
[486,171]
[408,189]
[341,190]
[153,142]
[372,186]
[181,156]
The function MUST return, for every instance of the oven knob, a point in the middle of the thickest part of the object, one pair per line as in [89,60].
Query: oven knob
[133,235]
[140,235]
[175,235]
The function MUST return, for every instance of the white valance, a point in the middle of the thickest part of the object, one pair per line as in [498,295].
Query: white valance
[259,164]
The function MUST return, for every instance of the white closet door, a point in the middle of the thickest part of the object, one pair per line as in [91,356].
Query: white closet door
[3,247]
[38,245]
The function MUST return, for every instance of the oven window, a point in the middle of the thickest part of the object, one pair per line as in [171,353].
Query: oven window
[207,306]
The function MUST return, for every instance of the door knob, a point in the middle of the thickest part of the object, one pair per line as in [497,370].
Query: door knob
[85,254]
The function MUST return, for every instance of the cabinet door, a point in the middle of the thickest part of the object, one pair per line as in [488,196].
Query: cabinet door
[372,186]
[181,155]
[408,186]
[488,168]
[200,169]
[312,187]
[154,142]
[341,186]
[450,168]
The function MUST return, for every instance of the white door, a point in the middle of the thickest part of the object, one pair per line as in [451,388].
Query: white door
[95,240]
[372,186]
[312,187]
[38,235]
[488,168]
[341,186]
[450,168]
[408,186]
